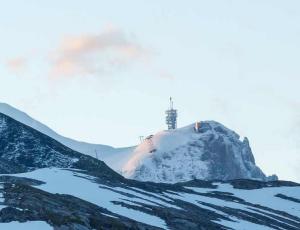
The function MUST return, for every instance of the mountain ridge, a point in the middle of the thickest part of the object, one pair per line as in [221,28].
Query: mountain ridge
[24,149]
[107,153]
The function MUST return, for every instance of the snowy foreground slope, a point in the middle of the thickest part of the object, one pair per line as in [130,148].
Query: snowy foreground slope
[45,185]
[195,205]
[108,153]
[214,152]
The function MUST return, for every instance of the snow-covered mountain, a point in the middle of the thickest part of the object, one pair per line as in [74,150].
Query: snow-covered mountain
[213,152]
[47,185]
[68,199]
[109,154]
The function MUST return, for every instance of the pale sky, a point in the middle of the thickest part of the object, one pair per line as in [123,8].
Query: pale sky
[102,71]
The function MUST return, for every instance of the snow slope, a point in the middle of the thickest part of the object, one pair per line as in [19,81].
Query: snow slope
[29,225]
[153,161]
[263,197]
[79,185]
[110,155]
[229,207]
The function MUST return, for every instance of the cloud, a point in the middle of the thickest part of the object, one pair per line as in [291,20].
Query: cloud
[16,64]
[94,54]
[166,75]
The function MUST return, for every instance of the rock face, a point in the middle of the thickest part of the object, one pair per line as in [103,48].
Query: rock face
[214,152]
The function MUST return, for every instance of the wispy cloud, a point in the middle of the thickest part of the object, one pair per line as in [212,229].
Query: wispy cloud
[96,53]
[16,64]
[166,75]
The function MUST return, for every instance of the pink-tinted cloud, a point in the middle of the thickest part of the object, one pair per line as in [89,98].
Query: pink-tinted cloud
[93,54]
[16,64]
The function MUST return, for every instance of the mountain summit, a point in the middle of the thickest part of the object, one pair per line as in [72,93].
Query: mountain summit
[210,152]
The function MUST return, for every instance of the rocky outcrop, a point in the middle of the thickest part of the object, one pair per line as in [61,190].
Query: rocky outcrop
[214,152]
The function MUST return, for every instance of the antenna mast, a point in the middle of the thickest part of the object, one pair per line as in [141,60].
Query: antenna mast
[171,103]
[171,116]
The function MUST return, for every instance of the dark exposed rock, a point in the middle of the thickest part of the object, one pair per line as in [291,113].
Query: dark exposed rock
[288,198]
[27,203]
[254,184]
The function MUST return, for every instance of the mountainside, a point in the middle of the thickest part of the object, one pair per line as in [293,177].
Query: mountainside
[54,187]
[23,149]
[213,152]
[105,152]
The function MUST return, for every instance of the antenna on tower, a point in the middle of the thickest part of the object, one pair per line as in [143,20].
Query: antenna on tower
[171,103]
[171,118]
